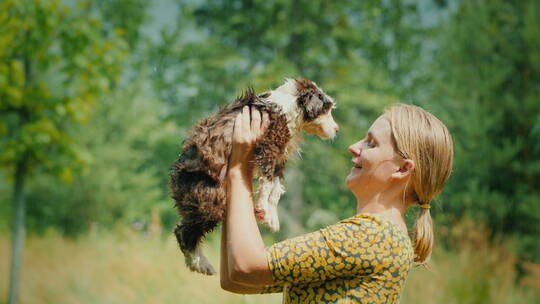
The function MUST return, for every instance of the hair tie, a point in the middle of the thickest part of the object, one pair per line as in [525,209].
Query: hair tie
[424,205]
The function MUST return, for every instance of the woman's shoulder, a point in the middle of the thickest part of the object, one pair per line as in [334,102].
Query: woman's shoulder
[373,226]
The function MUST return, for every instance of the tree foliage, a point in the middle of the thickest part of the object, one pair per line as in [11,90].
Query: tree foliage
[118,185]
[54,64]
[486,85]
[473,64]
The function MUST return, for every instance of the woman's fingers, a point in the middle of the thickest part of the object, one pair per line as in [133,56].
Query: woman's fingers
[255,122]
[245,120]
[241,129]
[259,122]
[248,128]
[265,122]
[237,129]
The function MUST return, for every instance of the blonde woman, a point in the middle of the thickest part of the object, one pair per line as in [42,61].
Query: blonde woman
[403,161]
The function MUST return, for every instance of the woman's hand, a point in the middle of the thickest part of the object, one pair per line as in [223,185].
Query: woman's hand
[245,134]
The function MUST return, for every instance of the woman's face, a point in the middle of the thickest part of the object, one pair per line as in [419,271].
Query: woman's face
[374,160]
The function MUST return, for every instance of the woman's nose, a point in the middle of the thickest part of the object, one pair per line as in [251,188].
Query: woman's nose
[355,149]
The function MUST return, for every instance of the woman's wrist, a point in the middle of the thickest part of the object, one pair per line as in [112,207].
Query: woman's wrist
[241,171]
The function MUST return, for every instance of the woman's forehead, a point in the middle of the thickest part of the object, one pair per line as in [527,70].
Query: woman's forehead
[381,127]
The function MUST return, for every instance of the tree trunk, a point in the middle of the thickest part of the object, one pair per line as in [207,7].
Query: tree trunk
[18,231]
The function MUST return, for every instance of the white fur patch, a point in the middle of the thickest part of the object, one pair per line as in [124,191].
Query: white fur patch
[264,190]
[285,98]
[287,103]
[289,87]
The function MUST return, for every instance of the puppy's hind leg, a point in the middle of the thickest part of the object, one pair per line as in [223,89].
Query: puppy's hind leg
[271,217]
[189,237]
[264,191]
[269,193]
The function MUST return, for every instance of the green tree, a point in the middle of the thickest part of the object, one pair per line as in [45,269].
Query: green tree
[125,17]
[485,83]
[118,183]
[54,63]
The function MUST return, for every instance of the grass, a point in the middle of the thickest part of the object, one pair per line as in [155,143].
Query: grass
[129,267]
[475,272]
[123,267]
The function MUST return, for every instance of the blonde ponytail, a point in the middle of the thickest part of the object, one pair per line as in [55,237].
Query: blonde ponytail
[425,140]
[423,236]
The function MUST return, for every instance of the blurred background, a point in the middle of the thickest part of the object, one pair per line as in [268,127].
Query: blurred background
[96,97]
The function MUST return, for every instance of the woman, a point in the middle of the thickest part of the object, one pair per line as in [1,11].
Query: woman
[404,160]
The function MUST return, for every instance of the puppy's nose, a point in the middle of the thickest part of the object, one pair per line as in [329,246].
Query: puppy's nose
[336,128]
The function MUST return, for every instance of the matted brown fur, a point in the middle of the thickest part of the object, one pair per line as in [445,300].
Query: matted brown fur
[196,182]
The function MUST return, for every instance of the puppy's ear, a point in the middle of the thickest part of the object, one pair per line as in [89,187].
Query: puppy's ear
[313,103]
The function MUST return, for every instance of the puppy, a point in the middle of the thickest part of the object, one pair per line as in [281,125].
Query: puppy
[196,179]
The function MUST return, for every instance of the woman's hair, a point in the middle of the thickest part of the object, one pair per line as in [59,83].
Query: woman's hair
[418,135]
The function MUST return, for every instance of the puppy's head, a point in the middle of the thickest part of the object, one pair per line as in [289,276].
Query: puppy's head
[316,108]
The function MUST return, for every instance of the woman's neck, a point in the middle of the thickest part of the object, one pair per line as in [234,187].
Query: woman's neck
[390,208]
[392,211]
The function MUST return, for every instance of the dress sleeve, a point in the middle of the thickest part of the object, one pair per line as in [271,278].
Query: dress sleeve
[277,288]
[341,250]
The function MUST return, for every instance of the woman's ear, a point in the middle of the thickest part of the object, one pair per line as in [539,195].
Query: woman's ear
[404,170]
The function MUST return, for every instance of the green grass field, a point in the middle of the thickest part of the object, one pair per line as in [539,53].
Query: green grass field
[129,267]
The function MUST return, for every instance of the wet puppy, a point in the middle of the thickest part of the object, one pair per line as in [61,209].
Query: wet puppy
[196,179]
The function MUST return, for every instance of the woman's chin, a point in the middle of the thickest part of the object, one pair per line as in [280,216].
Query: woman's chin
[351,178]
[354,172]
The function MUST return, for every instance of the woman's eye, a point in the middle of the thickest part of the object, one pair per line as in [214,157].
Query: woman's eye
[370,144]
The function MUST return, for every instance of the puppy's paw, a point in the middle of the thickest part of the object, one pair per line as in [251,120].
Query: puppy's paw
[260,213]
[197,262]
[205,267]
[271,219]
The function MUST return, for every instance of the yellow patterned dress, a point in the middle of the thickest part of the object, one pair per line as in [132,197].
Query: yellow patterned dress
[362,259]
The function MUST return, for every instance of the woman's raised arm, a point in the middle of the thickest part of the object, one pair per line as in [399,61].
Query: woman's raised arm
[246,260]
[226,282]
